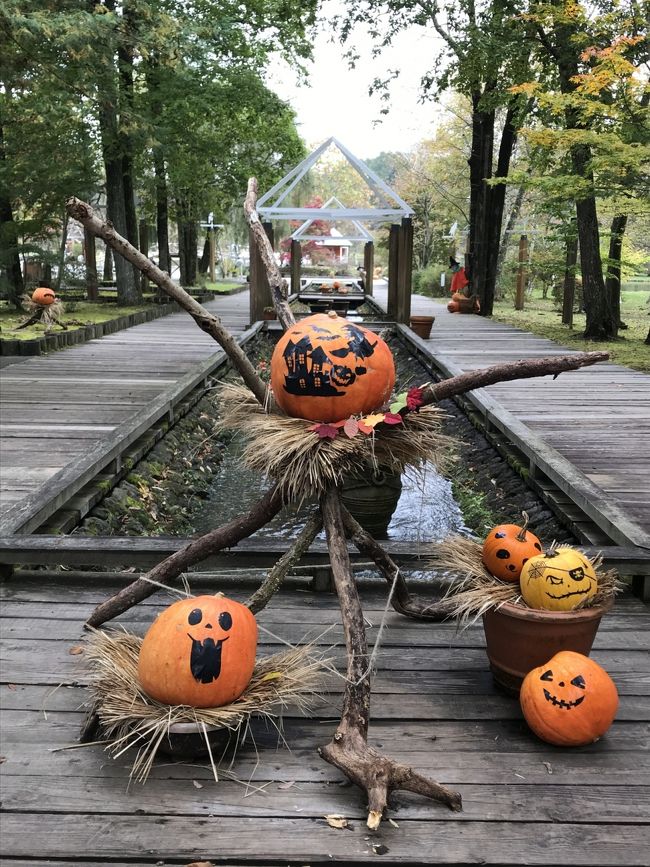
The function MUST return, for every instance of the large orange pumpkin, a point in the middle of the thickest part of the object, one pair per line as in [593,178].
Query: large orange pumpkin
[507,548]
[453,306]
[199,652]
[44,296]
[570,701]
[325,368]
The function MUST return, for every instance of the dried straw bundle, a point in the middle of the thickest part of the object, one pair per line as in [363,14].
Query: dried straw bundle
[285,448]
[129,718]
[49,314]
[476,590]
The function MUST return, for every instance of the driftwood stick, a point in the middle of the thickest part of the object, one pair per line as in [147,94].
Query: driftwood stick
[195,551]
[206,321]
[277,283]
[403,601]
[348,750]
[524,369]
[287,561]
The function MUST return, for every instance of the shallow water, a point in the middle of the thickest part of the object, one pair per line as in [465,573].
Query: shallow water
[426,511]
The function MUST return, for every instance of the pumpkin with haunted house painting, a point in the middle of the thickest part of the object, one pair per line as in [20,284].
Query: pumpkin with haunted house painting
[325,368]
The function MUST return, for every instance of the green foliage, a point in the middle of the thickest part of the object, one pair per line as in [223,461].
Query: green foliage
[427,281]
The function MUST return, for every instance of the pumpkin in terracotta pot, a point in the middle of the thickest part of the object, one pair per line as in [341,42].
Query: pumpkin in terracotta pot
[325,368]
[43,296]
[569,701]
[559,580]
[199,652]
[507,548]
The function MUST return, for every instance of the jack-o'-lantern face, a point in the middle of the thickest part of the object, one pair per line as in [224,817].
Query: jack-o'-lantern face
[199,652]
[43,296]
[570,700]
[507,548]
[560,580]
[325,368]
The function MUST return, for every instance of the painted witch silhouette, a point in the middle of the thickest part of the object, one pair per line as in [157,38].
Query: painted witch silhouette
[313,372]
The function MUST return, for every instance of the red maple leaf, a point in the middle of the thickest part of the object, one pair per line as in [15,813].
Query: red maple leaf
[414,398]
[393,418]
[325,431]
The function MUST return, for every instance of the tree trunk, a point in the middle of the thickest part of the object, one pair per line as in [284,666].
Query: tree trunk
[480,168]
[90,256]
[61,263]
[9,249]
[496,197]
[107,274]
[187,241]
[162,212]
[144,249]
[600,318]
[613,280]
[204,261]
[513,216]
[569,292]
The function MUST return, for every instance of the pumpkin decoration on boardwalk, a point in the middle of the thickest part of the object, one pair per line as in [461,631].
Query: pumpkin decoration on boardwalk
[507,548]
[453,307]
[325,368]
[199,652]
[43,296]
[569,701]
[559,580]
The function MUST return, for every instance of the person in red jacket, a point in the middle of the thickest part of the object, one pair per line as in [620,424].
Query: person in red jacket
[459,279]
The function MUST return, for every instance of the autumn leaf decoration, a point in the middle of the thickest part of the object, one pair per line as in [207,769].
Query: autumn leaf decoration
[407,401]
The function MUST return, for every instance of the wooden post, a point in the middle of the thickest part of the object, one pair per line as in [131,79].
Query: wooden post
[393,269]
[213,252]
[521,272]
[369,265]
[296,262]
[404,271]
[260,293]
[569,292]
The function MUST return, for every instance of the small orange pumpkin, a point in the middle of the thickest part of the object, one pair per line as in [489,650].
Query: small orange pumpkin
[570,701]
[199,652]
[43,296]
[325,368]
[453,307]
[506,549]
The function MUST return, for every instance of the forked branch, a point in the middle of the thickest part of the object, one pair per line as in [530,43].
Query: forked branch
[348,750]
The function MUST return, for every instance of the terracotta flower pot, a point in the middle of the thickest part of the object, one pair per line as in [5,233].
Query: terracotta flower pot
[519,639]
[421,325]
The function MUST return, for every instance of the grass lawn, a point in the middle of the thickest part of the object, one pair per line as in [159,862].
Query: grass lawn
[222,285]
[82,312]
[542,317]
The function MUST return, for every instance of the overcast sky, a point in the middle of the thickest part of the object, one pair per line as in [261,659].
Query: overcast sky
[336,101]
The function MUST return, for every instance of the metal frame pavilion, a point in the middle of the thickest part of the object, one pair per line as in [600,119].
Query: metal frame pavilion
[392,209]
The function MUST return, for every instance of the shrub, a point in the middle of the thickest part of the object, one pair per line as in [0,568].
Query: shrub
[427,281]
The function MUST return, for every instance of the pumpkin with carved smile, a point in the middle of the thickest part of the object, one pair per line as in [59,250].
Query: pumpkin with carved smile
[569,701]
[559,580]
[199,652]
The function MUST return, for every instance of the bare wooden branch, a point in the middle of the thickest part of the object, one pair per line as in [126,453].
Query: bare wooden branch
[277,283]
[348,750]
[206,321]
[524,369]
[197,550]
[287,561]
[402,600]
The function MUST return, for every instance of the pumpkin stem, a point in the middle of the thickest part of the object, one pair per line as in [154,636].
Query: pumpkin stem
[552,551]
[521,535]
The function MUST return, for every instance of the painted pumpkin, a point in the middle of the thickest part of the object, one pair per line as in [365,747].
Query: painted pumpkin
[199,652]
[559,580]
[44,296]
[570,701]
[453,307]
[325,368]
[506,549]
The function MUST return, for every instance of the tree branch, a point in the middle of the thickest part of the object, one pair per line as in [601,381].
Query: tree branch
[277,283]
[524,369]
[287,561]
[197,550]
[206,321]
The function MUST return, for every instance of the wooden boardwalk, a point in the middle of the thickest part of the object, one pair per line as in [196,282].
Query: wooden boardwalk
[588,430]
[434,706]
[62,415]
